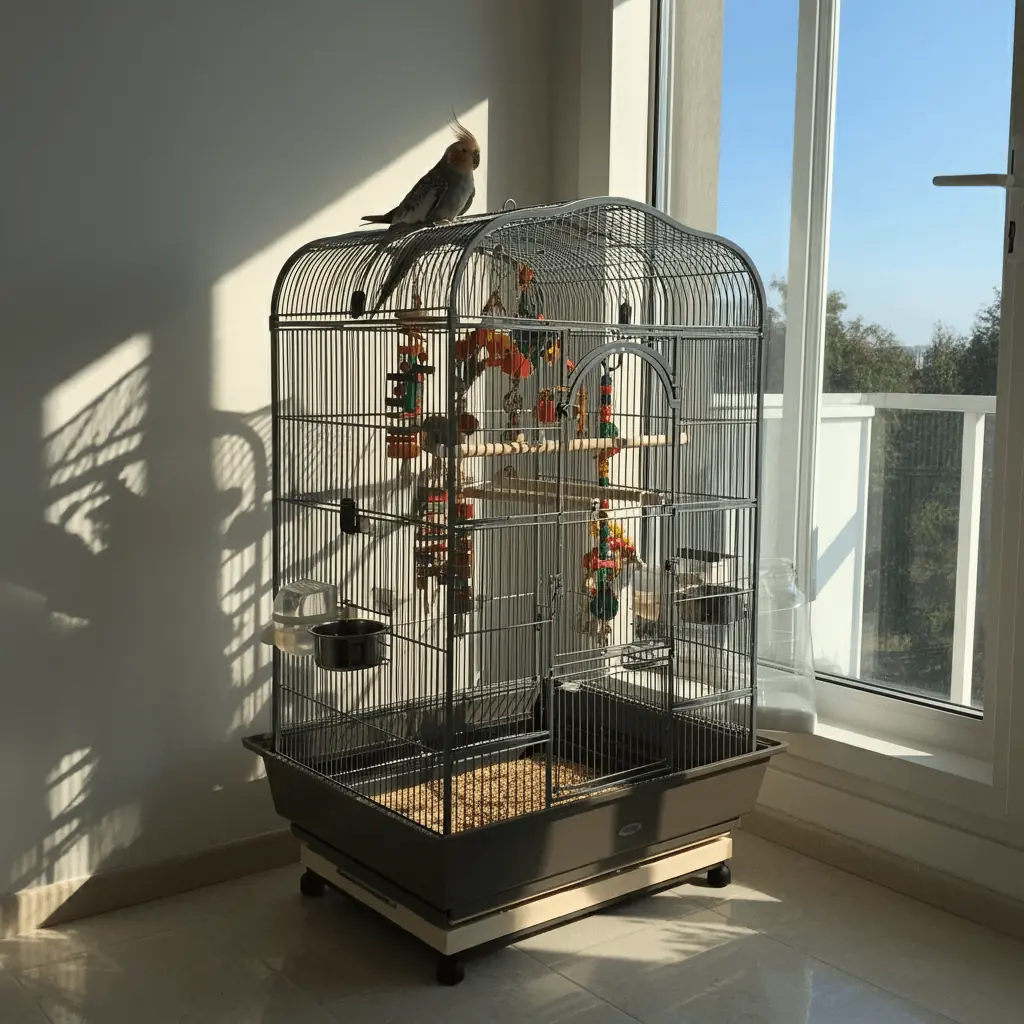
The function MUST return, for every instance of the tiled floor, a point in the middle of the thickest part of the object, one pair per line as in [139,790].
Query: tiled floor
[790,942]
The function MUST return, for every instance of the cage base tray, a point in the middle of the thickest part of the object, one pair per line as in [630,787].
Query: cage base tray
[511,923]
[479,870]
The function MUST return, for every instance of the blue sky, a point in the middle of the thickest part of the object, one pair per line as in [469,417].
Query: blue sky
[924,89]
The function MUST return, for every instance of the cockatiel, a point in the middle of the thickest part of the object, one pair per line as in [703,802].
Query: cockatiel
[445,192]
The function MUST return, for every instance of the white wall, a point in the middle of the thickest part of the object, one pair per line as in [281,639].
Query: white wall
[600,84]
[160,162]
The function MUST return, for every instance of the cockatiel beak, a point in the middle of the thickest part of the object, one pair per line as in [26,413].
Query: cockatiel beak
[476,160]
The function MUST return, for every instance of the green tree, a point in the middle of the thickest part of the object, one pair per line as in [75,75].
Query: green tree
[980,356]
[940,373]
[861,356]
[775,337]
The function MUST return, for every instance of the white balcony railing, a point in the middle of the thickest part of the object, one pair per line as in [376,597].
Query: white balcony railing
[849,494]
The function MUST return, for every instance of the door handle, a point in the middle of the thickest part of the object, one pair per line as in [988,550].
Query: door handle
[1014,200]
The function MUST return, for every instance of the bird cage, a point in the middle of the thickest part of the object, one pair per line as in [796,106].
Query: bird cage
[521,451]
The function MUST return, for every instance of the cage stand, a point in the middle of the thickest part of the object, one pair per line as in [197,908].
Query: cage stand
[459,939]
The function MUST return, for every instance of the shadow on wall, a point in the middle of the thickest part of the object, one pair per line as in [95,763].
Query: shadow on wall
[150,155]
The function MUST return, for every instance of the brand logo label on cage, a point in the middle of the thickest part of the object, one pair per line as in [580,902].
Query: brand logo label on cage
[630,830]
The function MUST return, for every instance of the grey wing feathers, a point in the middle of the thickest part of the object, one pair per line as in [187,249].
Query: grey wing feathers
[417,206]
[469,201]
[404,257]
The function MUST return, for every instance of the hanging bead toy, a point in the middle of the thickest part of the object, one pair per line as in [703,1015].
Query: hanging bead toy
[407,394]
[462,559]
[604,561]
[604,604]
[430,548]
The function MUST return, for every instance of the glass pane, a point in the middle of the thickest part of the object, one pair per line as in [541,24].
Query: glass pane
[904,467]
[759,53]
[759,60]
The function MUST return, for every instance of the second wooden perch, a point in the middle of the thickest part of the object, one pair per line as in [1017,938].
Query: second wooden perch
[578,444]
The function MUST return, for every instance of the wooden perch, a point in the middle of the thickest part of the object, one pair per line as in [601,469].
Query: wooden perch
[579,444]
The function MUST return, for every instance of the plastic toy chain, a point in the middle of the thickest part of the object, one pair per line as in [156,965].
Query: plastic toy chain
[498,346]
[517,354]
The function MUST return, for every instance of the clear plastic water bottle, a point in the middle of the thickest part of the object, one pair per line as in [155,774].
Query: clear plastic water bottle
[298,606]
[785,653]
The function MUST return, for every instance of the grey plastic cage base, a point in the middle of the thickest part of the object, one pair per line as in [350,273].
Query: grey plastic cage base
[454,877]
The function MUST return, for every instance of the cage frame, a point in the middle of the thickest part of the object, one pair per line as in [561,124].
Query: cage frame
[446,877]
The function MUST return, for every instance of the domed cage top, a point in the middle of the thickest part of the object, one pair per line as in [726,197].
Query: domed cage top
[588,258]
[523,449]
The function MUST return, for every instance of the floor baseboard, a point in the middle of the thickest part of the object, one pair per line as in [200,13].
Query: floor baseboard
[60,902]
[945,892]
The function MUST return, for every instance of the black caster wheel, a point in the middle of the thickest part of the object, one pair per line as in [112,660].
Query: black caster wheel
[450,970]
[311,884]
[719,876]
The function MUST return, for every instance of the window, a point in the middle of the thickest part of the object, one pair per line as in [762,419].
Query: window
[910,347]
[880,436]
[889,479]
[886,442]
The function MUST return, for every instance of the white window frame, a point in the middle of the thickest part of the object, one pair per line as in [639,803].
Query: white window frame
[891,755]
[956,759]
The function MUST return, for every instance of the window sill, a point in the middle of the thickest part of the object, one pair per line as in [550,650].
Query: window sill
[896,723]
[920,778]
[833,742]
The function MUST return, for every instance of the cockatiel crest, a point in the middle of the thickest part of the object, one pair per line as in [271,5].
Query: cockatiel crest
[445,192]
[464,152]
